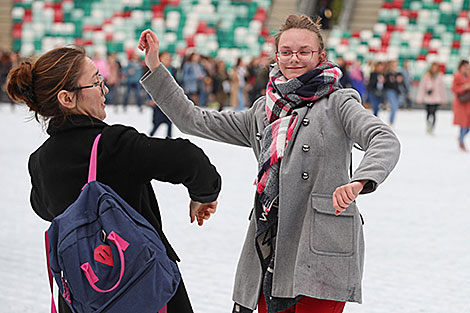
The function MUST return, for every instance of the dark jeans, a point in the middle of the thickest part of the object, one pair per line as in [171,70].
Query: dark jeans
[160,118]
[375,101]
[431,114]
[137,90]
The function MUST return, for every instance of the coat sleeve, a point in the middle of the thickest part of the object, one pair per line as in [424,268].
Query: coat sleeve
[176,161]
[229,127]
[381,146]
[37,202]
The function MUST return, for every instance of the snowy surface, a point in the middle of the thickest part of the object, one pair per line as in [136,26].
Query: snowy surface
[416,224]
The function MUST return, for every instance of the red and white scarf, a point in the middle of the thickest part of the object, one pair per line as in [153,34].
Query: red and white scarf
[282,98]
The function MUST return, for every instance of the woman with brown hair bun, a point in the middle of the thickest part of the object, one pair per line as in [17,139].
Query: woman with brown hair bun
[64,89]
[304,249]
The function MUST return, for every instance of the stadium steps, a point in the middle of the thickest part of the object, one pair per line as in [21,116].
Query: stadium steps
[5,24]
[279,11]
[365,14]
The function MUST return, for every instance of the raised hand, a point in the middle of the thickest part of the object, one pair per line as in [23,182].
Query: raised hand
[201,211]
[344,195]
[149,42]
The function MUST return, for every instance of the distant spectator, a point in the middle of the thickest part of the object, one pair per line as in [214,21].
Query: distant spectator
[133,72]
[345,81]
[113,82]
[238,80]
[405,99]
[325,12]
[461,105]
[5,66]
[357,79]
[391,89]
[431,94]
[158,116]
[221,84]
[258,78]
[102,64]
[375,87]
[193,74]
[206,83]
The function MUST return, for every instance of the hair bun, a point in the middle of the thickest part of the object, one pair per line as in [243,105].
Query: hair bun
[20,83]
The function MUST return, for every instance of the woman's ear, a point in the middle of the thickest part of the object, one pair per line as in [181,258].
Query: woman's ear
[66,99]
[322,57]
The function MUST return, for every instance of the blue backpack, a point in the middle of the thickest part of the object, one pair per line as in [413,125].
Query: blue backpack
[106,257]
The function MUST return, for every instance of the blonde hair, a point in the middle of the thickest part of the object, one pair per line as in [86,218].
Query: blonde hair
[301,22]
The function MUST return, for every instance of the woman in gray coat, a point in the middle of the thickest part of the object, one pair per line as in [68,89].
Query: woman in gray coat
[304,248]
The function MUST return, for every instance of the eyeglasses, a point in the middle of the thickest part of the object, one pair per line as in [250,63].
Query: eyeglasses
[304,55]
[100,83]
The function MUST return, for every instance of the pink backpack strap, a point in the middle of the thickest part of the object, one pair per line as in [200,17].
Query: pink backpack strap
[53,308]
[93,160]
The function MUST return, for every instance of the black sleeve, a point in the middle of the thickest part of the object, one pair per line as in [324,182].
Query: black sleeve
[37,203]
[176,161]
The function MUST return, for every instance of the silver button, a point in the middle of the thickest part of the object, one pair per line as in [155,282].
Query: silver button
[305,121]
[310,104]
[305,175]
[305,148]
[258,136]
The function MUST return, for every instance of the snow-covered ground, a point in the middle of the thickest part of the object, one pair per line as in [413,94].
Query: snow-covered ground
[416,224]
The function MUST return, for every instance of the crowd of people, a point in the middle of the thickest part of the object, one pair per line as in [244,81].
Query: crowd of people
[209,82]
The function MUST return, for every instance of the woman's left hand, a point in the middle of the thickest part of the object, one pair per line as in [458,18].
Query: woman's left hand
[344,195]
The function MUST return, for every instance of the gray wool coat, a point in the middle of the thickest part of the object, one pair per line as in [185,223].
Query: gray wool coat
[317,254]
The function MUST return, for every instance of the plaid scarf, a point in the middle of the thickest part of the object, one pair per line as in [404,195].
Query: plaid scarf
[282,98]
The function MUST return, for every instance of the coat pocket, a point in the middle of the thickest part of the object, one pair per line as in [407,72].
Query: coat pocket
[331,235]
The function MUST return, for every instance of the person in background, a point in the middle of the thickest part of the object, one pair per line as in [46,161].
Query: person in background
[221,84]
[431,94]
[64,90]
[132,72]
[102,64]
[114,79]
[158,116]
[392,91]
[461,104]
[258,78]
[206,83]
[238,83]
[192,77]
[375,87]
[345,80]
[357,79]
[405,100]
[304,250]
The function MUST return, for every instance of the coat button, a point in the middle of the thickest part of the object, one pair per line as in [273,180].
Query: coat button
[305,121]
[305,175]
[310,104]
[258,136]
[305,148]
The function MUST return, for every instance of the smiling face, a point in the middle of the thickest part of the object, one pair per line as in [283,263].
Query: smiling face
[91,100]
[294,40]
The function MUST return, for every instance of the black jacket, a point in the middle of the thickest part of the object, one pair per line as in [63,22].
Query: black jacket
[127,162]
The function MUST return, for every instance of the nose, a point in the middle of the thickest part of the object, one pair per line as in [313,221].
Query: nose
[294,55]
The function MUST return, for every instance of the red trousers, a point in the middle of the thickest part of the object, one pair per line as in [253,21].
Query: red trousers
[308,305]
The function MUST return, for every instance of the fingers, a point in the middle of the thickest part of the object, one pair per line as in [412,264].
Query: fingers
[343,197]
[201,211]
[193,210]
[147,40]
